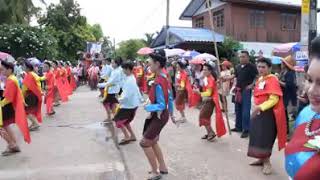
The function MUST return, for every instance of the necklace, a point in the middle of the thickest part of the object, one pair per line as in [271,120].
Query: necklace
[308,131]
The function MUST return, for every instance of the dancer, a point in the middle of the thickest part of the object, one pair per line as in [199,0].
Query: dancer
[302,152]
[50,84]
[182,83]
[12,106]
[112,89]
[60,92]
[160,107]
[139,74]
[268,117]
[129,102]
[211,101]
[31,90]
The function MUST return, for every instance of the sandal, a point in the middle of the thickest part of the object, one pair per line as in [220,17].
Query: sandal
[11,151]
[161,172]
[154,176]
[124,142]
[257,163]
[267,169]
[211,137]
[133,140]
[204,137]
[34,128]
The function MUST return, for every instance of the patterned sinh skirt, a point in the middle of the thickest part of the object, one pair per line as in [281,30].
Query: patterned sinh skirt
[32,102]
[180,99]
[8,113]
[110,101]
[154,125]
[124,117]
[263,132]
[206,112]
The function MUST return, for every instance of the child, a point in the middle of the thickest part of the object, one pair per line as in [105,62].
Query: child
[129,102]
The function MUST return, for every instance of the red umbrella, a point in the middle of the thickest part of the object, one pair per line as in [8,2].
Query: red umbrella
[197,61]
[145,51]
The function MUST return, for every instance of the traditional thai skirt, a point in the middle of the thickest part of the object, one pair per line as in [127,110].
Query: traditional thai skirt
[124,117]
[180,100]
[153,126]
[111,101]
[263,132]
[32,103]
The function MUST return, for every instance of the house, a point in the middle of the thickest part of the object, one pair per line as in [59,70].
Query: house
[248,20]
[199,39]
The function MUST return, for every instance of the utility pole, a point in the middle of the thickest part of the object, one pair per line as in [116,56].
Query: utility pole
[167,23]
[312,22]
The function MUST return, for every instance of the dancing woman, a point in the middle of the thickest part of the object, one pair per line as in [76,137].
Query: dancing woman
[31,90]
[12,107]
[161,105]
[211,101]
[268,117]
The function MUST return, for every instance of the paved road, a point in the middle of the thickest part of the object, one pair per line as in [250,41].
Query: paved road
[72,146]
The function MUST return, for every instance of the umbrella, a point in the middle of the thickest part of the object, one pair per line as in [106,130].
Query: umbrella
[197,61]
[190,54]
[206,56]
[145,51]
[174,52]
[276,60]
[34,61]
[6,57]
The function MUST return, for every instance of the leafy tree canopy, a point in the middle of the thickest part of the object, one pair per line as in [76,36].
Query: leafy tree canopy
[128,49]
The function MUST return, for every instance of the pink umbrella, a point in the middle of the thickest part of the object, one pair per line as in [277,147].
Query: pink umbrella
[6,57]
[145,51]
[197,61]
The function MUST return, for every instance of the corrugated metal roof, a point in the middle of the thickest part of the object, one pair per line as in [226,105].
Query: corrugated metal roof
[186,34]
[196,34]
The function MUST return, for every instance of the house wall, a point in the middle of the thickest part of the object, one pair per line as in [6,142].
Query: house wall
[237,24]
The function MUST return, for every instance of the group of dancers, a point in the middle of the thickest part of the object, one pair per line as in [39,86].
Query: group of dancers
[22,96]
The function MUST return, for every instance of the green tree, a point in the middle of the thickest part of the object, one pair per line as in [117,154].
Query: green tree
[228,49]
[107,48]
[148,39]
[25,41]
[17,11]
[97,32]
[71,30]
[128,49]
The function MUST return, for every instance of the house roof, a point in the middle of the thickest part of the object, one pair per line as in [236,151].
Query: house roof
[186,34]
[194,5]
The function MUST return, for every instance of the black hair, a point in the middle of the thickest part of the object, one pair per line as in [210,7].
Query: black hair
[306,68]
[211,69]
[159,56]
[47,63]
[55,62]
[127,65]
[265,60]
[108,59]
[181,64]
[8,65]
[28,65]
[118,61]
[245,52]
[315,47]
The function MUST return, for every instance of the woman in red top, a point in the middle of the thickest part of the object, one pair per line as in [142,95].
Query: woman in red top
[12,107]
[50,83]
[211,101]
[181,92]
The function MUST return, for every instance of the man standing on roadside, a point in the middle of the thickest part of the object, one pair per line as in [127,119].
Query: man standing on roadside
[245,73]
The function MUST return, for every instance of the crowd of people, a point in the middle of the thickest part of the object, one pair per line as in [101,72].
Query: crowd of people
[162,85]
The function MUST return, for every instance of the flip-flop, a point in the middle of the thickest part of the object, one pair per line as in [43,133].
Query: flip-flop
[11,151]
[204,137]
[257,163]
[211,137]
[132,140]
[161,172]
[154,177]
[124,142]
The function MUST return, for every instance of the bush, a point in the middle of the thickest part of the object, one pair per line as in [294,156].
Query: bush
[26,41]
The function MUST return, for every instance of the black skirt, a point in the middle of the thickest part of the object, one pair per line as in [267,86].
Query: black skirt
[31,99]
[124,116]
[154,125]
[263,133]
[8,113]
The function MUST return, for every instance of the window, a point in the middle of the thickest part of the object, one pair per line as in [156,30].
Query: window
[257,19]
[218,18]
[199,22]
[288,21]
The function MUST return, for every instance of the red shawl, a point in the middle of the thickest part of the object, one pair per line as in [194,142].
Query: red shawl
[272,86]
[13,94]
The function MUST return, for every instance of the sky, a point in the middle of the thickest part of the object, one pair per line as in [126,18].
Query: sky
[126,19]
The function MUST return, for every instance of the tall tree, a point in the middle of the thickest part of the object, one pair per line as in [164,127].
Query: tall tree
[97,31]
[148,38]
[128,49]
[68,26]
[17,11]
